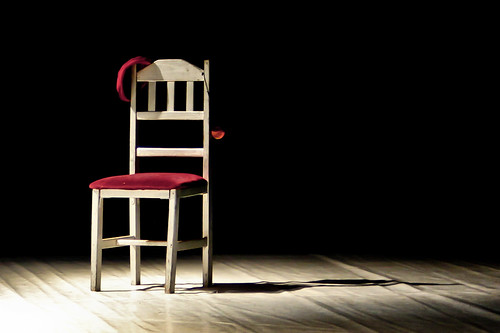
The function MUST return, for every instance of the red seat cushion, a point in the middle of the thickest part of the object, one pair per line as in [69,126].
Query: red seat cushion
[149,181]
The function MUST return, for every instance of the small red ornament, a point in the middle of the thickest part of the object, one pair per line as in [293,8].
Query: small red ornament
[218,133]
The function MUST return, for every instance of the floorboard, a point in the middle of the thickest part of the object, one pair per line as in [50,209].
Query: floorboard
[305,293]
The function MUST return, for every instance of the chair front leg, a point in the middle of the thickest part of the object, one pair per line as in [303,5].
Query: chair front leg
[173,227]
[135,230]
[96,241]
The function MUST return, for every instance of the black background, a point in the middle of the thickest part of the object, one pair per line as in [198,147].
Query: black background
[352,137]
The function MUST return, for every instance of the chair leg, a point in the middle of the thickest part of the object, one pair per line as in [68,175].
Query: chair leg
[96,240]
[135,251]
[207,250]
[173,227]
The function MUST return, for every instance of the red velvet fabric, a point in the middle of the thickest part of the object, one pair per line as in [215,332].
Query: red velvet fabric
[149,181]
[121,74]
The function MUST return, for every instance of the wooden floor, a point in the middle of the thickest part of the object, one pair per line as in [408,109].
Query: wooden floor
[254,294]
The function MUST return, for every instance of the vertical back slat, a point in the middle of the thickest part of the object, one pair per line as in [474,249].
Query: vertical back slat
[170,95]
[151,96]
[189,96]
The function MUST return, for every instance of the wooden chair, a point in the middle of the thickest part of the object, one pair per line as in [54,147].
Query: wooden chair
[171,186]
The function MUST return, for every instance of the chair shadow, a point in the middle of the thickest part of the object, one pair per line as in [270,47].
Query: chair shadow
[278,287]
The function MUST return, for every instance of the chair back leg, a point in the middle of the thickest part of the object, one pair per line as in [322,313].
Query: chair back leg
[207,249]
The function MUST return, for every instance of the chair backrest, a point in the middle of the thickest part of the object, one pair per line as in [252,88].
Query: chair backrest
[170,71]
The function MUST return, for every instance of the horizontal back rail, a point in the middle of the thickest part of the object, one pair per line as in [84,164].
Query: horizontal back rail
[169,152]
[170,115]
[170,70]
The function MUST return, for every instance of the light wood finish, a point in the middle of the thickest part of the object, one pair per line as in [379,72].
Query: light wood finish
[149,194]
[152,96]
[133,122]
[130,240]
[135,231]
[170,152]
[173,228]
[170,95]
[189,96]
[263,293]
[96,244]
[171,115]
[134,200]
[207,260]
[169,70]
